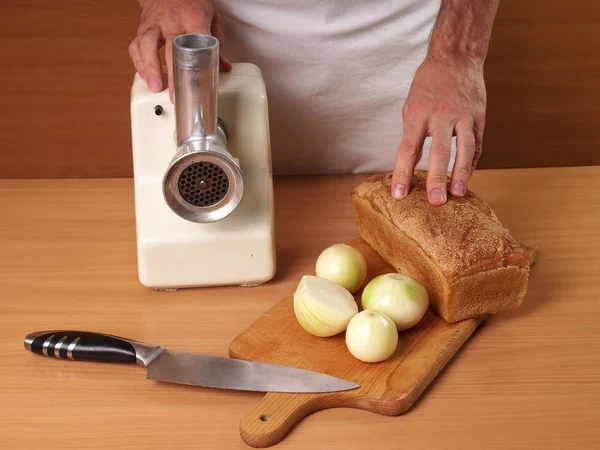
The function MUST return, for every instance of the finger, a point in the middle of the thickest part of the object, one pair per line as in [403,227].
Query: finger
[218,31]
[169,61]
[478,131]
[149,46]
[439,159]
[136,57]
[408,154]
[465,152]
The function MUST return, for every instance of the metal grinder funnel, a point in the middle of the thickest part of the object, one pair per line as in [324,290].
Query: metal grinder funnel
[203,182]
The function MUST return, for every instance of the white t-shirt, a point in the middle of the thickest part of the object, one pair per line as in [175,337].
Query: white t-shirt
[337,74]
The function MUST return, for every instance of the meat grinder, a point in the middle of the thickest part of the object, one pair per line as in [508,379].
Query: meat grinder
[202,173]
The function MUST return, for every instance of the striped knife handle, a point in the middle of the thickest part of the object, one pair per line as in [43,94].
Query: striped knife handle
[82,346]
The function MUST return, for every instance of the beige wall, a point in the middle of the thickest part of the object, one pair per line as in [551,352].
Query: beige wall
[66,76]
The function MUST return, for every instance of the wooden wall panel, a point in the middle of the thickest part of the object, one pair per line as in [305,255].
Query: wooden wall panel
[543,80]
[65,77]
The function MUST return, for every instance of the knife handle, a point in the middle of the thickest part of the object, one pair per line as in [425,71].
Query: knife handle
[89,346]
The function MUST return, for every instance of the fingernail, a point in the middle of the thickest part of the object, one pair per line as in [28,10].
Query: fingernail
[459,188]
[438,195]
[154,84]
[399,192]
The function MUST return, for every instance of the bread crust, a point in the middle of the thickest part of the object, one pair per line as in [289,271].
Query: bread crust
[469,263]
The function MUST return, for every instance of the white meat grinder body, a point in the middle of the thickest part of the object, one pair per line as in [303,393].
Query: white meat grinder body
[238,249]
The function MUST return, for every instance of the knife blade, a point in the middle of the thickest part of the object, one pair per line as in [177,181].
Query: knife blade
[172,366]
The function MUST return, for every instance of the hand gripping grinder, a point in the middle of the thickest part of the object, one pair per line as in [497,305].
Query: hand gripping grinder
[202,173]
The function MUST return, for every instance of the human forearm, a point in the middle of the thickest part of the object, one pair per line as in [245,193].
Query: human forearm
[463,30]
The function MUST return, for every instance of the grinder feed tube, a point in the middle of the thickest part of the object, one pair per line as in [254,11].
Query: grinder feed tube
[203,182]
[195,77]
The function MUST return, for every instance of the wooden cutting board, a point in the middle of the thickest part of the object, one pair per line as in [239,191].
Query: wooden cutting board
[390,387]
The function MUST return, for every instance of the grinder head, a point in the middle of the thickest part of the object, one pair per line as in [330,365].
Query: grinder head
[203,185]
[203,182]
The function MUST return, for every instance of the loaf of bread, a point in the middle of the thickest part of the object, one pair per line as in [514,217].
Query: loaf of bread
[469,263]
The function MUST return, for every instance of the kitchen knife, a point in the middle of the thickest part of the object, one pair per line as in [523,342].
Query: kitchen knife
[172,366]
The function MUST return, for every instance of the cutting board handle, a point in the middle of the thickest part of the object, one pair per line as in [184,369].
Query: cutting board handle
[277,413]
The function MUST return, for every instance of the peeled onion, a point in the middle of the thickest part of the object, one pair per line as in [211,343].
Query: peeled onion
[344,265]
[371,336]
[323,308]
[401,297]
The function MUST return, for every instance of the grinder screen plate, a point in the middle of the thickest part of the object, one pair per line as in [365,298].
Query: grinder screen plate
[203,184]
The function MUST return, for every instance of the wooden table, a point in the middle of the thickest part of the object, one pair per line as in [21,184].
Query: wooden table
[528,379]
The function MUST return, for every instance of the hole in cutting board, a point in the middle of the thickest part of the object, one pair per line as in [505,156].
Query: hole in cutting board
[265,418]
